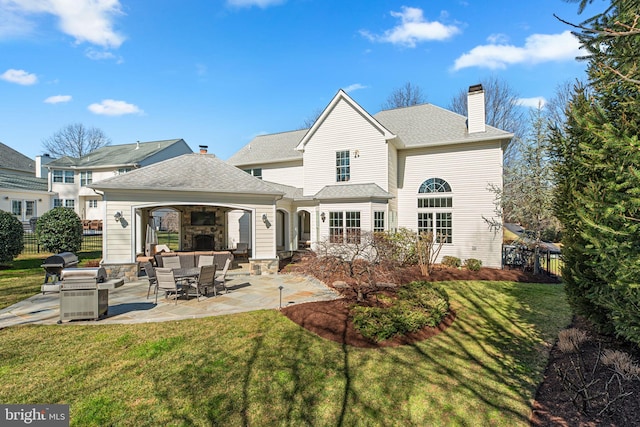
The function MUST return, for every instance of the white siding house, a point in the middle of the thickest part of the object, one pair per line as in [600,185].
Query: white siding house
[422,167]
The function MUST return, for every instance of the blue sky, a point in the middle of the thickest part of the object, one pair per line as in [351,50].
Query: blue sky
[220,72]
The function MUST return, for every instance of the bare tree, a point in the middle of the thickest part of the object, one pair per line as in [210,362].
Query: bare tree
[501,108]
[75,140]
[311,119]
[405,96]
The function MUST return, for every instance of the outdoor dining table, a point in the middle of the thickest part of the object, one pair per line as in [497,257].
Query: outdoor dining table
[185,273]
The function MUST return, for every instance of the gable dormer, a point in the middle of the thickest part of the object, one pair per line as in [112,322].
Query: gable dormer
[346,145]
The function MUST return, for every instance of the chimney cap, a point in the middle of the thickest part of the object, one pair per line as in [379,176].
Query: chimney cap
[203,149]
[475,88]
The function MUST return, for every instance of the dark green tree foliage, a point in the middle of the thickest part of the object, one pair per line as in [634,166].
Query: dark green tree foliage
[598,176]
[60,230]
[11,237]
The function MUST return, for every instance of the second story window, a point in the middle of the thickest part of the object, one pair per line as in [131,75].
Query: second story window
[86,178]
[63,176]
[123,170]
[343,169]
[257,172]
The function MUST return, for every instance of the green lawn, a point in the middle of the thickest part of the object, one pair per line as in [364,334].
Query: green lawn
[261,369]
[25,276]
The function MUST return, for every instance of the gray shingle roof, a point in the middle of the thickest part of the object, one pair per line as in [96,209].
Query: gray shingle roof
[418,126]
[277,147]
[116,155]
[290,192]
[190,172]
[426,124]
[352,191]
[22,182]
[12,160]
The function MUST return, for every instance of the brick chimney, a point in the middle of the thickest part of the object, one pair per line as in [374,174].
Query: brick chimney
[475,109]
[203,149]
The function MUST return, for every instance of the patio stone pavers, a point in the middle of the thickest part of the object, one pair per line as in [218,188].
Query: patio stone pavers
[129,303]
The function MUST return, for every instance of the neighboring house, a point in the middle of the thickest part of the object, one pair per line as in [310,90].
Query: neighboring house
[23,191]
[421,167]
[417,167]
[70,177]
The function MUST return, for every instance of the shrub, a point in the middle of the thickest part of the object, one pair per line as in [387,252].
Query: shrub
[473,264]
[451,261]
[60,230]
[11,237]
[398,246]
[418,304]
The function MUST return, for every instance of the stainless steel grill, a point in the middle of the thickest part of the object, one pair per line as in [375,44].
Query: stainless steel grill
[84,293]
[54,264]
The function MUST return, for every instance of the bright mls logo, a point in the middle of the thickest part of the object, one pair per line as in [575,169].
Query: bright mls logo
[34,415]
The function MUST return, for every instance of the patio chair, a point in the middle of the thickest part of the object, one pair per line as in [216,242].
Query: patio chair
[171,262]
[222,278]
[241,250]
[167,283]
[204,281]
[205,260]
[151,275]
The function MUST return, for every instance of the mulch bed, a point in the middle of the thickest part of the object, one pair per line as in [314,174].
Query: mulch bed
[552,405]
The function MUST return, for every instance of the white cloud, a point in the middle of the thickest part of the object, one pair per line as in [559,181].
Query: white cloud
[498,38]
[413,28]
[57,99]
[98,55]
[535,102]
[354,86]
[260,3]
[111,107]
[20,77]
[85,20]
[537,48]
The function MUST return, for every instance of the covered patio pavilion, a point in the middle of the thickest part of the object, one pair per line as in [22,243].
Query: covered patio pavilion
[219,206]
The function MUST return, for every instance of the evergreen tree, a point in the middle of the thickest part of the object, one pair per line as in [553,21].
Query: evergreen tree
[598,174]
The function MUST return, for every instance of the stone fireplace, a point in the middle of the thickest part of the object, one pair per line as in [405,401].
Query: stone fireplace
[200,237]
[203,242]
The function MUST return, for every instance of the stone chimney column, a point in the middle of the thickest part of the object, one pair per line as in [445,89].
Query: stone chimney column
[475,109]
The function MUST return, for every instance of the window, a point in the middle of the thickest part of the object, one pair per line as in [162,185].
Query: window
[257,172]
[16,207]
[122,171]
[93,203]
[344,227]
[63,176]
[29,207]
[86,178]
[336,224]
[352,227]
[343,170]
[434,211]
[67,203]
[378,221]
[435,185]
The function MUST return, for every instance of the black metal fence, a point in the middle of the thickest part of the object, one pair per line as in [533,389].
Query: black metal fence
[523,257]
[91,242]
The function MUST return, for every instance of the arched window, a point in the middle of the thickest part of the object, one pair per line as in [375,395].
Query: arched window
[435,185]
[434,209]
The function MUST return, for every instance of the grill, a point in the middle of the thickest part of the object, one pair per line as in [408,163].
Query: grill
[54,264]
[84,293]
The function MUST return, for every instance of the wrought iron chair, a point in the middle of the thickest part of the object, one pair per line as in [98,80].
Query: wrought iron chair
[151,275]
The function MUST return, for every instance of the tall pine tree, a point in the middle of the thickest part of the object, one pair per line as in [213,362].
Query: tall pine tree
[598,175]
